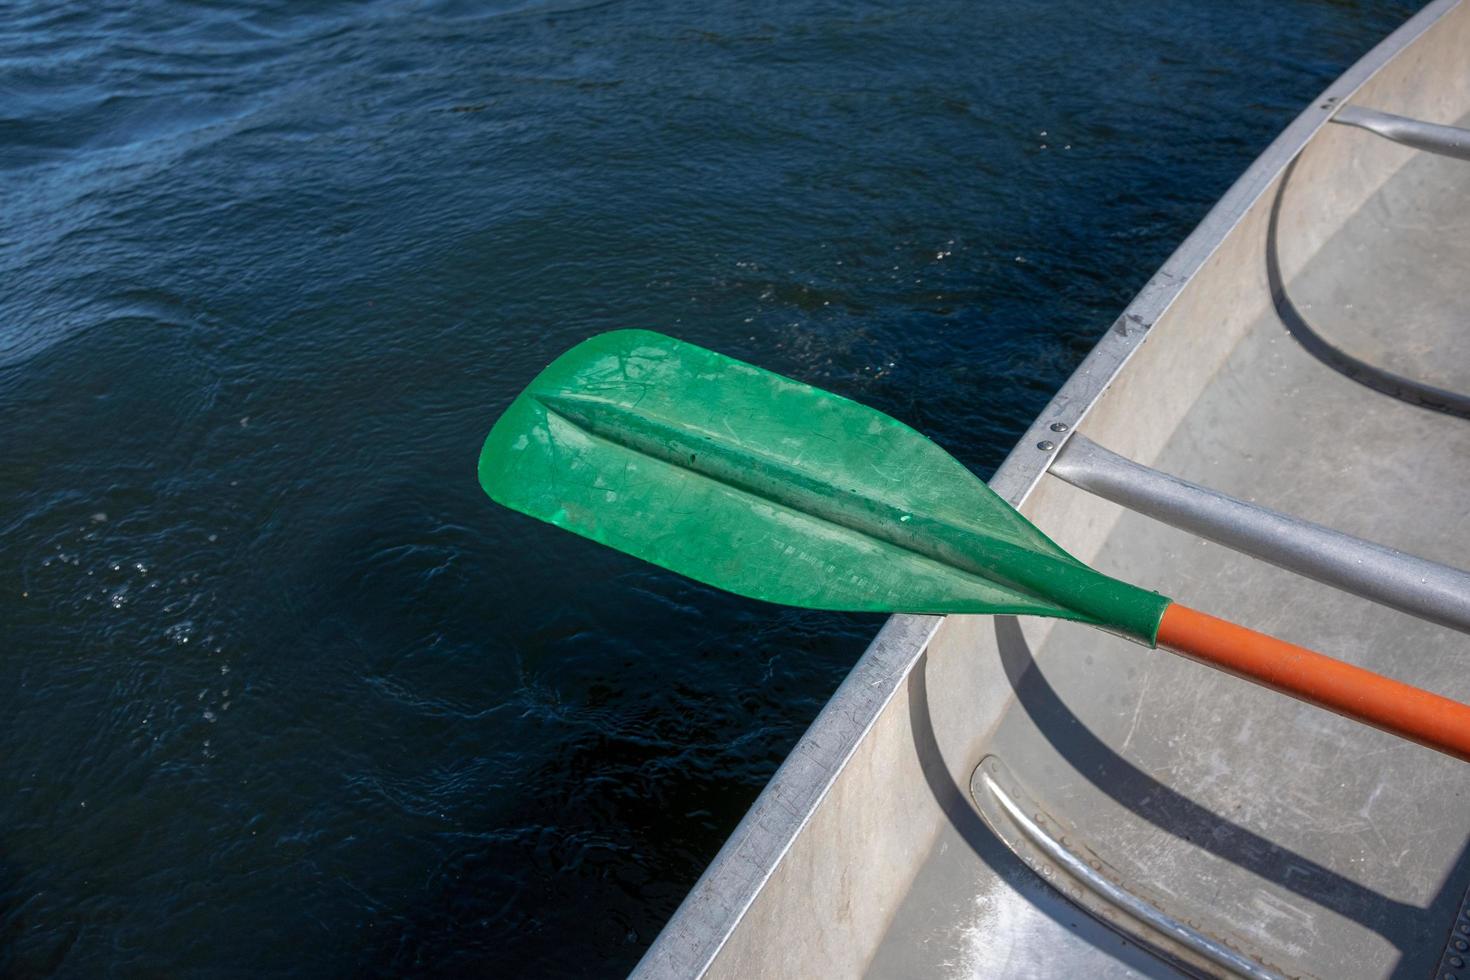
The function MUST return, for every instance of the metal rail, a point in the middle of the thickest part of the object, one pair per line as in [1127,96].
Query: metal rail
[1429,590]
[1019,820]
[1450,141]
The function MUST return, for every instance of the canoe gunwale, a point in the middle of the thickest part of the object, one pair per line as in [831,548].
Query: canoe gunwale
[716,905]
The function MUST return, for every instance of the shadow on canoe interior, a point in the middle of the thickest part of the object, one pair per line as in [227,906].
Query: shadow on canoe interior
[1313,341]
[1399,923]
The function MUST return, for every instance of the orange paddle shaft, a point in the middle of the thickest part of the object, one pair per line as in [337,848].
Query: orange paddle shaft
[1353,692]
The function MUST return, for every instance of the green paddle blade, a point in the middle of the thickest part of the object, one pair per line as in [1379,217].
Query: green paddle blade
[773,489]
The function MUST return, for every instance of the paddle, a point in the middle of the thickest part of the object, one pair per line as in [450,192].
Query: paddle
[776,490]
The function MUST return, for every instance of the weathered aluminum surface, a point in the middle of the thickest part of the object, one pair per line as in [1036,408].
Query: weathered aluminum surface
[866,855]
[1451,141]
[1328,848]
[1430,590]
[1371,371]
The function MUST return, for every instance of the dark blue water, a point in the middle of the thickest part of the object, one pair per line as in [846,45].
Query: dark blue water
[280,691]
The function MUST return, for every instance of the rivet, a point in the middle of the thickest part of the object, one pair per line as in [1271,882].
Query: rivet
[1046,445]
[1456,962]
[1465,928]
[1461,945]
[1059,427]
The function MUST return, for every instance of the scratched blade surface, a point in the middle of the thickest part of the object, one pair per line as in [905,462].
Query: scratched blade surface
[754,483]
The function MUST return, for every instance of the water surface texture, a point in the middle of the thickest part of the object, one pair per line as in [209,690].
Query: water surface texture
[280,690]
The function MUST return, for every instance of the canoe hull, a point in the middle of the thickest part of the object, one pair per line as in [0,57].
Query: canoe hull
[870,851]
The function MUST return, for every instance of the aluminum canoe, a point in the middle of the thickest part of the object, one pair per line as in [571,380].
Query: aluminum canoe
[1277,429]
